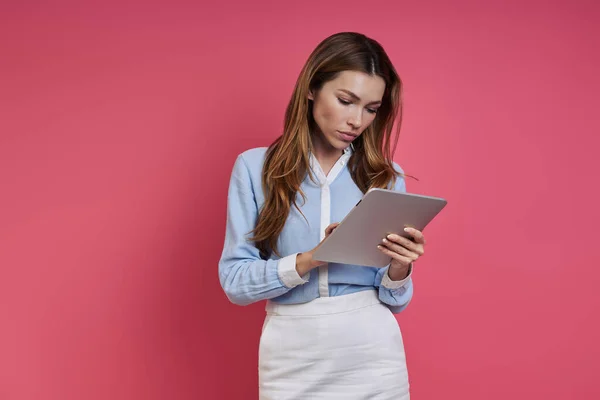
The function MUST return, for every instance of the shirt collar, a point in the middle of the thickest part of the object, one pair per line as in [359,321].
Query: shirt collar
[316,168]
[346,153]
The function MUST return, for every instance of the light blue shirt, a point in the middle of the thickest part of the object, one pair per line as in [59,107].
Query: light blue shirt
[247,278]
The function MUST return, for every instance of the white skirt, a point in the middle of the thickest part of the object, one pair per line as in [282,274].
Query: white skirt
[343,347]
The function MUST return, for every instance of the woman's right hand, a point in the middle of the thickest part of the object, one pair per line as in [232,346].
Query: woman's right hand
[305,262]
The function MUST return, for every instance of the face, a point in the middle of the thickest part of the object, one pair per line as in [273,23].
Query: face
[344,107]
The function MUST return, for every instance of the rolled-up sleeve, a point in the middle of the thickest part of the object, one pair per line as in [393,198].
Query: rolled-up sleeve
[395,294]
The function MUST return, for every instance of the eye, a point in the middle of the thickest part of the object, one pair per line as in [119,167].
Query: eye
[344,102]
[372,111]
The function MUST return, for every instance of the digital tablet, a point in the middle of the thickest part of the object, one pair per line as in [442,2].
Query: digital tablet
[379,213]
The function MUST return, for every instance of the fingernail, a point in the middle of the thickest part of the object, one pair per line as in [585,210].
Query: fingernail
[406,229]
[385,240]
[389,236]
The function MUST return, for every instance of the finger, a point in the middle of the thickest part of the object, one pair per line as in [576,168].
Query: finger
[331,228]
[416,234]
[400,250]
[406,243]
[404,260]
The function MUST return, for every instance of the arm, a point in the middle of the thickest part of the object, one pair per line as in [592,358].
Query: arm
[395,286]
[245,277]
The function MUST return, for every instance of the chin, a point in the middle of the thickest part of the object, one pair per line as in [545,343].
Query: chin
[343,145]
[333,142]
[338,144]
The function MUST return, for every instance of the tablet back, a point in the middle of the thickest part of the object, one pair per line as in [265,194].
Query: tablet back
[379,213]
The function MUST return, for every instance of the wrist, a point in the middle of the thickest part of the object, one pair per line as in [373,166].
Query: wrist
[305,263]
[399,273]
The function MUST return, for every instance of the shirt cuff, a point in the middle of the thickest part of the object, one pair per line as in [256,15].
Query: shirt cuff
[288,274]
[388,283]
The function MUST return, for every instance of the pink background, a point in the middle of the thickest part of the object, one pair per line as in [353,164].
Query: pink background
[119,125]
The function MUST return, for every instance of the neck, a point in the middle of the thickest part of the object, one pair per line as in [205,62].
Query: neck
[325,153]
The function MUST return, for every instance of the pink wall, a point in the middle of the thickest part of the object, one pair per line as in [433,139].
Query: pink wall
[119,125]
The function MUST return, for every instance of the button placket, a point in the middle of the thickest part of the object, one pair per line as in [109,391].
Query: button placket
[325,221]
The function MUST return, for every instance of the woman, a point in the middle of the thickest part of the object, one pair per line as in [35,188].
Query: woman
[329,332]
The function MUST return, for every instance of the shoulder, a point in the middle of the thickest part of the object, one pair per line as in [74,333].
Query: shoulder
[397,167]
[253,158]
[249,163]
[400,181]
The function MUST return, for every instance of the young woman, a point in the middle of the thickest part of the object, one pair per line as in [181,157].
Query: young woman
[329,331]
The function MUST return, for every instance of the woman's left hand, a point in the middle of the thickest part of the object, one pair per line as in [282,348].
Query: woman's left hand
[403,251]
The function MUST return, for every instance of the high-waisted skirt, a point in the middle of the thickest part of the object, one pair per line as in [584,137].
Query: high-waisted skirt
[344,347]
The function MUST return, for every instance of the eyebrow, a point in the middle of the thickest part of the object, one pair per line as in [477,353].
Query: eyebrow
[355,97]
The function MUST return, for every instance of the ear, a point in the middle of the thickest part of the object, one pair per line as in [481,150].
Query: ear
[311,95]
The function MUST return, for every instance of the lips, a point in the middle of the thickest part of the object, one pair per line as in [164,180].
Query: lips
[347,136]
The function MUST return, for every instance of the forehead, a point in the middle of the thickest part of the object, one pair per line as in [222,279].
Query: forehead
[367,87]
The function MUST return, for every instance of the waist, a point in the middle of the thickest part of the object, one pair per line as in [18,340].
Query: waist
[326,305]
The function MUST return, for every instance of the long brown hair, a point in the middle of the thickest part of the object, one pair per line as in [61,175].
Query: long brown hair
[287,160]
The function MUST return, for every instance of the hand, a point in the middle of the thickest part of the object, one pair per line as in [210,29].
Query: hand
[403,251]
[305,262]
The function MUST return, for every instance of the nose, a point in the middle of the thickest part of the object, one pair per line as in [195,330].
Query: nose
[355,120]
